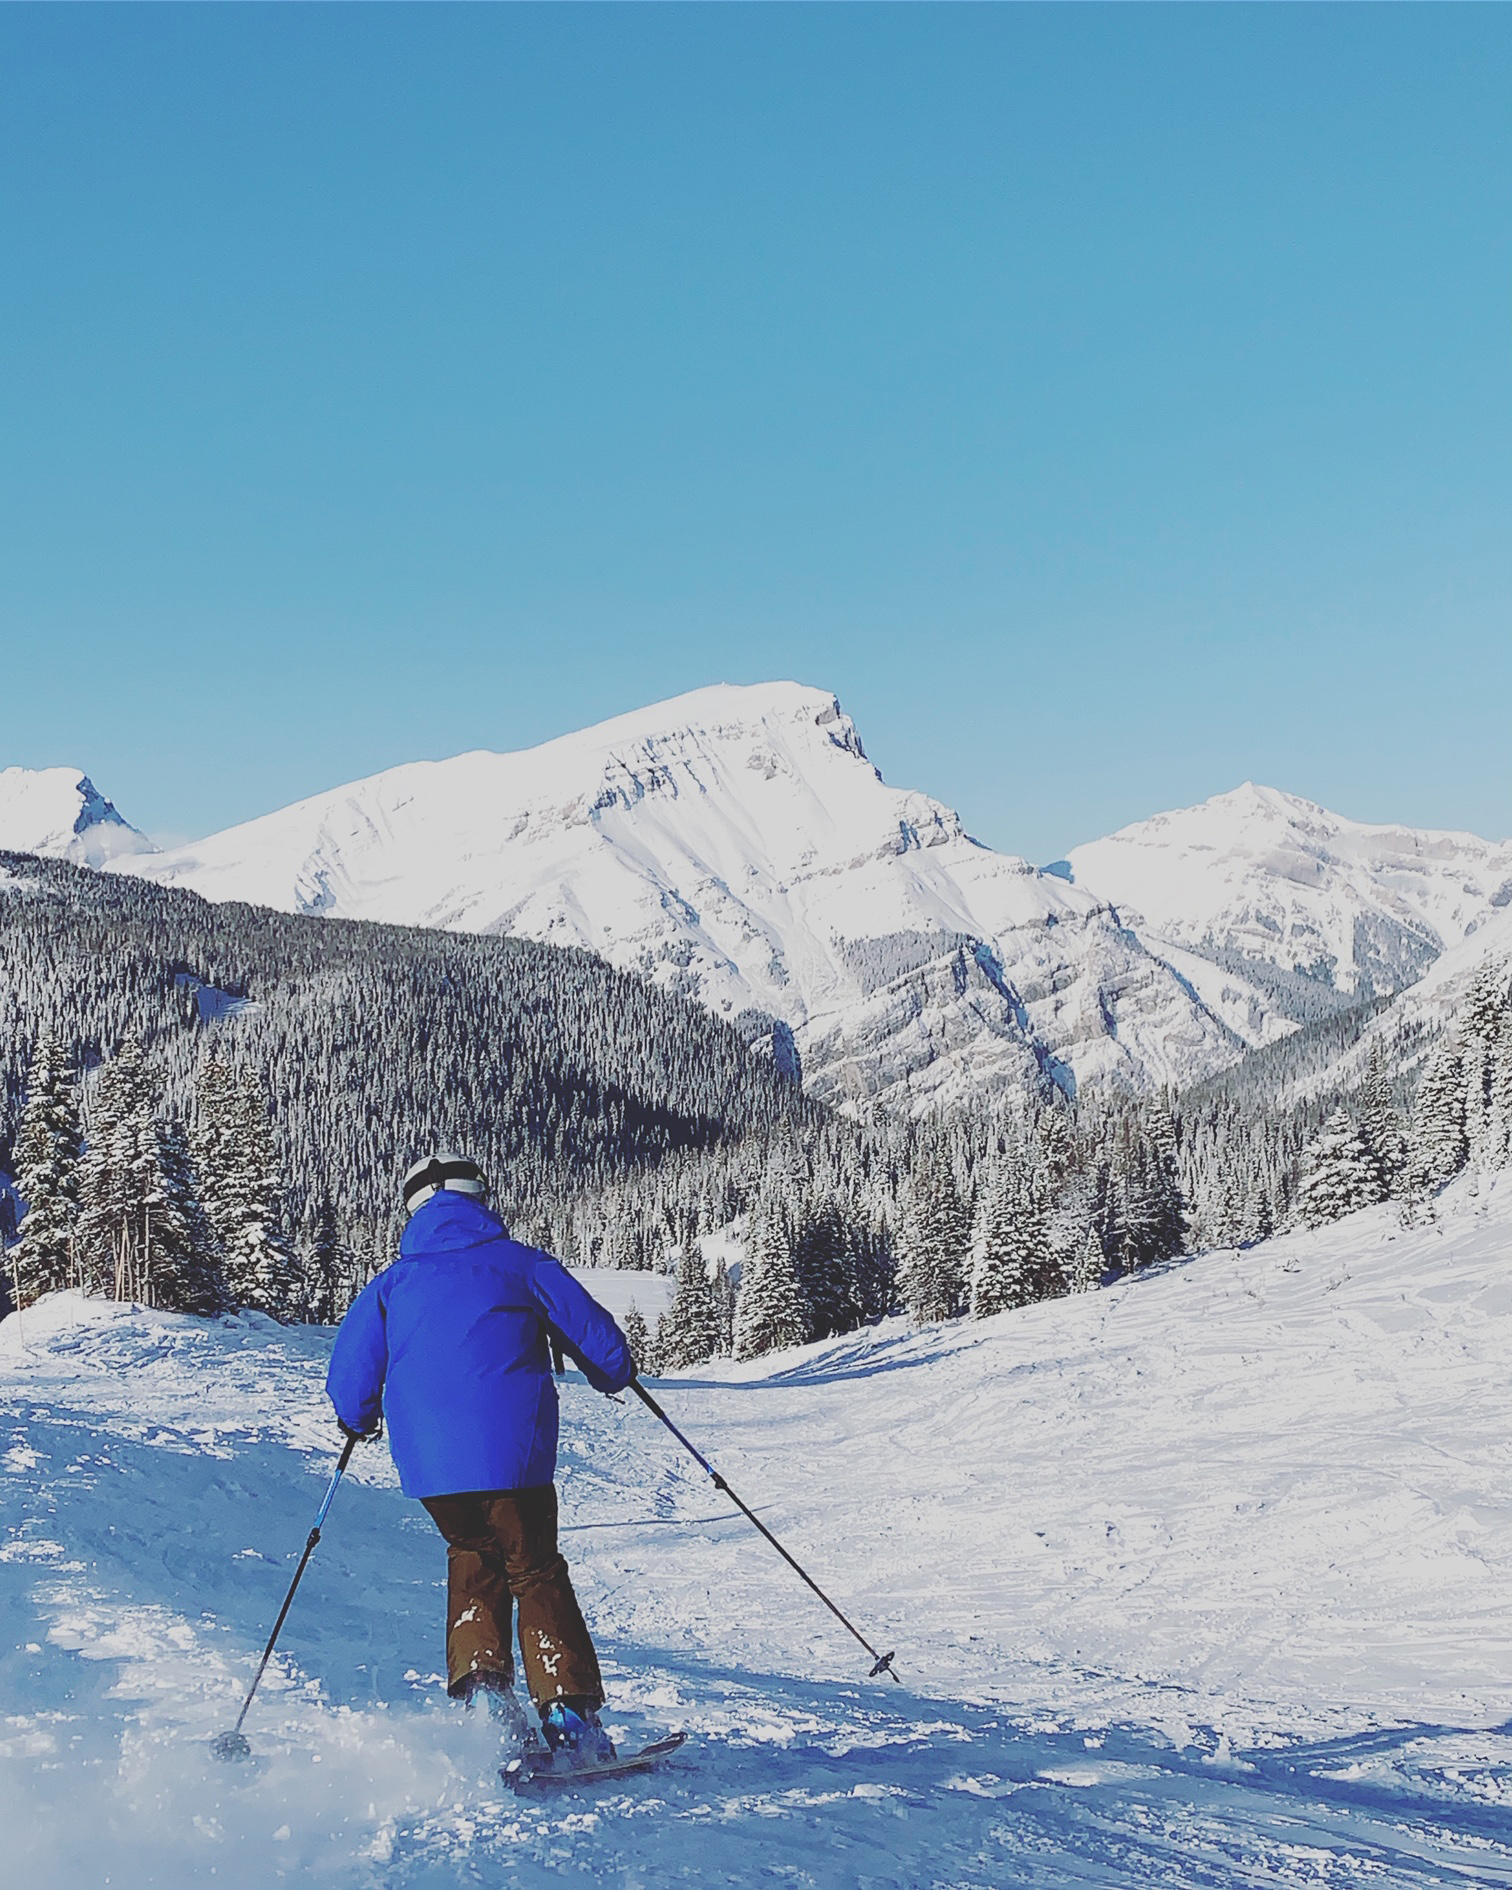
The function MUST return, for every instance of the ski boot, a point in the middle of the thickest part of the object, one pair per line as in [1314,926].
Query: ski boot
[574,1734]
[504,1709]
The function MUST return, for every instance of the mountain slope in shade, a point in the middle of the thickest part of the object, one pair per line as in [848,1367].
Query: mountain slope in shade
[736,845]
[61,814]
[1265,877]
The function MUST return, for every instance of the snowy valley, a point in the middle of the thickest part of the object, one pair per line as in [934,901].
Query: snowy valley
[1200,1581]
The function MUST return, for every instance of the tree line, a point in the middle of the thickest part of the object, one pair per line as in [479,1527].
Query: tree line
[369,1043]
[208,1107]
[128,1203]
[1460,1116]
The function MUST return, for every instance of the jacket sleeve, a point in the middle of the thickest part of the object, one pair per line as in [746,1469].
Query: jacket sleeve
[359,1361]
[586,1330]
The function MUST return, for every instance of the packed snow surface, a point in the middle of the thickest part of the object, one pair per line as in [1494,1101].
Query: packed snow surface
[737,845]
[1205,1579]
[1284,881]
[62,814]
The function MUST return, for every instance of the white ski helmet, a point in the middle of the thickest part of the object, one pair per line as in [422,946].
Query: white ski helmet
[445,1169]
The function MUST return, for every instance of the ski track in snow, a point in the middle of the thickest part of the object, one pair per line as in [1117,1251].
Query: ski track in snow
[1201,1580]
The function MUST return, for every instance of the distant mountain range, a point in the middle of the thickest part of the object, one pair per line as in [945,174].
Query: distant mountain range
[737,846]
[1281,881]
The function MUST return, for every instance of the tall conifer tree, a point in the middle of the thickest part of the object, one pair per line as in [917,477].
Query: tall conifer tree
[47,1175]
[1440,1147]
[770,1313]
[243,1194]
[935,1239]
[688,1333]
[1007,1243]
[1339,1175]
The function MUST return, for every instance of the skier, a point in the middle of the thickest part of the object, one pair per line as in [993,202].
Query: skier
[452,1345]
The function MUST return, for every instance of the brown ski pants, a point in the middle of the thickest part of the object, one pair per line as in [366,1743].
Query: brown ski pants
[501,1552]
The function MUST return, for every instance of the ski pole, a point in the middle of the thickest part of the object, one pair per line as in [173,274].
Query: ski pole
[882,1663]
[233,1744]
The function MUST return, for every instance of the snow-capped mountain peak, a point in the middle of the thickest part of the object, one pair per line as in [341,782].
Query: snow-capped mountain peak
[736,844]
[1274,878]
[61,813]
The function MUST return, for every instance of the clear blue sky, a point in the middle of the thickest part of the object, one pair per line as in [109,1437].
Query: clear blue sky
[1109,403]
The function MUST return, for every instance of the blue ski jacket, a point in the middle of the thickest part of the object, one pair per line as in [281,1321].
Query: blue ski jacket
[451,1343]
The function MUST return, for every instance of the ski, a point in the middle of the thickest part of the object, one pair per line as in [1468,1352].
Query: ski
[541,1768]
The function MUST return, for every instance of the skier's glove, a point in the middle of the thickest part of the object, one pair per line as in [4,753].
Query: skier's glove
[362,1437]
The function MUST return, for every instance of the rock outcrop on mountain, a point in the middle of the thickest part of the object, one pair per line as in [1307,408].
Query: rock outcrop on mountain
[61,814]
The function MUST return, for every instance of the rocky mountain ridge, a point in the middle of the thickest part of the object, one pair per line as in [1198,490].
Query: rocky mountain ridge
[61,814]
[737,846]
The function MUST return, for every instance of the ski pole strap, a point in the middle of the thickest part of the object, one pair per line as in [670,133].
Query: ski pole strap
[881,1663]
[304,1562]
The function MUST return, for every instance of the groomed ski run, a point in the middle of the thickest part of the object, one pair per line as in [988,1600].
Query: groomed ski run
[1203,1580]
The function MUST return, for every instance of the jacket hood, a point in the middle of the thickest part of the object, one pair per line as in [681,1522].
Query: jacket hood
[446,1222]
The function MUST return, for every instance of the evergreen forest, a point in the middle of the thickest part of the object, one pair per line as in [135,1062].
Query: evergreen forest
[208,1108]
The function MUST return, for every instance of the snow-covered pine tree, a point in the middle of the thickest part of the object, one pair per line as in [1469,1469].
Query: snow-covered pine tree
[1132,1215]
[820,1253]
[212,1141]
[1086,1263]
[119,1179]
[1501,1096]
[1256,1218]
[873,1271]
[184,1266]
[242,1194]
[770,1313]
[633,1325]
[1486,1049]
[47,1175]
[935,1238]
[1163,1179]
[1381,1125]
[723,1289]
[1339,1174]
[1007,1240]
[1439,1146]
[324,1264]
[1145,1210]
[689,1330]
[142,1234]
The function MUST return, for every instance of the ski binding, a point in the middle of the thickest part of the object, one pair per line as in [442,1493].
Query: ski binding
[542,1768]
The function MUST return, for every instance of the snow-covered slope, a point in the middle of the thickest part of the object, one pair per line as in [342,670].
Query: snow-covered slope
[737,845]
[1273,878]
[1204,1581]
[61,813]
[1419,1016]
